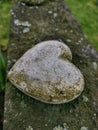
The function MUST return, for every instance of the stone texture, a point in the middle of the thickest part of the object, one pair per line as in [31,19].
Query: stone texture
[46,73]
[32,2]
[23,112]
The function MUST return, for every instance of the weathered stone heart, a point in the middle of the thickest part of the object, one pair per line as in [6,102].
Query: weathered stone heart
[45,72]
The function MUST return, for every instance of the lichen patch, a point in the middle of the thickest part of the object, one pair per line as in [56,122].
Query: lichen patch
[17,22]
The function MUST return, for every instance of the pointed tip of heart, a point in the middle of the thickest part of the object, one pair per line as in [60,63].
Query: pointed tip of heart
[45,72]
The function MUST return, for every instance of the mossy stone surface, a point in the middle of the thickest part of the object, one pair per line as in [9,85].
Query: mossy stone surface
[33,2]
[51,21]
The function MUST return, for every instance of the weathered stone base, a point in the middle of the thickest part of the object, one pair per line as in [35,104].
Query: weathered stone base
[30,25]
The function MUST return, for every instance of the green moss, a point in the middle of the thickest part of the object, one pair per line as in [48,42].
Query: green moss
[86,13]
[5,7]
[2,71]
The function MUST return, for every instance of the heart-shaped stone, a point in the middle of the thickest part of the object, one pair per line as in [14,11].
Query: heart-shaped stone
[45,72]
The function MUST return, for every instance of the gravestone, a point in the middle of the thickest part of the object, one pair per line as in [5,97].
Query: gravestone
[51,20]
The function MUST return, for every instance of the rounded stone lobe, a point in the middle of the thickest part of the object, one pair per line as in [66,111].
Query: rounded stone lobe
[45,72]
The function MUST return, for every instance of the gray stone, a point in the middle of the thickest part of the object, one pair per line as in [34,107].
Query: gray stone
[46,73]
[23,112]
[84,128]
[33,2]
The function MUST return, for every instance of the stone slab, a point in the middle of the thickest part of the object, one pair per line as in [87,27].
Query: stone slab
[50,21]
